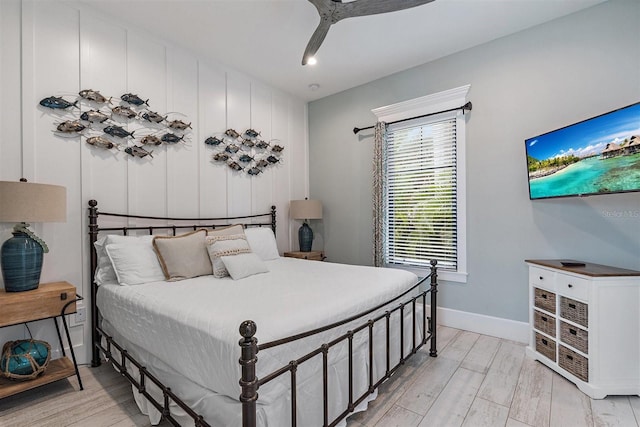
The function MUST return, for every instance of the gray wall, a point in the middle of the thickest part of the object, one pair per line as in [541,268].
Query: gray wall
[522,85]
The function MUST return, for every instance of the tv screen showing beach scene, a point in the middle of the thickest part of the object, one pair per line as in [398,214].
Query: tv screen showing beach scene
[600,155]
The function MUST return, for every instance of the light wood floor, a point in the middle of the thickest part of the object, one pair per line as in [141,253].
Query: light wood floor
[476,380]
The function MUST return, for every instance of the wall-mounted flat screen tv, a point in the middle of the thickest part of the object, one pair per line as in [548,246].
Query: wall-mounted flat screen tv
[600,155]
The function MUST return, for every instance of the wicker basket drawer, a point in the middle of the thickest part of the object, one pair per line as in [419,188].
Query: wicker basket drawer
[544,323]
[574,363]
[575,311]
[546,346]
[545,300]
[574,336]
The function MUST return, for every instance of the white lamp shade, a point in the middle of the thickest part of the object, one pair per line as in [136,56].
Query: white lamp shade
[30,202]
[305,209]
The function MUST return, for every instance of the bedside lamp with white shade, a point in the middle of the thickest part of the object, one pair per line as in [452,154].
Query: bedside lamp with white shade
[21,255]
[305,210]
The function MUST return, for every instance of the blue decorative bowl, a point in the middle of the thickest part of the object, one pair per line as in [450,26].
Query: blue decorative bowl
[24,359]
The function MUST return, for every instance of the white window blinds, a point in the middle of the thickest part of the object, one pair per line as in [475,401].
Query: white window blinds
[421,214]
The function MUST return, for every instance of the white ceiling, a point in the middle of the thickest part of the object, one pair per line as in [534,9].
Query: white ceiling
[266,38]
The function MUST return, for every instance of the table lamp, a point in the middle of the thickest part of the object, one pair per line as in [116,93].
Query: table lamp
[21,255]
[305,209]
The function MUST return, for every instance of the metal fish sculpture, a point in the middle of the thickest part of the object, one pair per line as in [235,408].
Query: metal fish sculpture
[235,166]
[250,133]
[245,158]
[262,163]
[151,140]
[117,131]
[232,133]
[94,116]
[137,151]
[153,117]
[221,157]
[254,171]
[179,125]
[57,103]
[232,148]
[171,138]
[94,95]
[277,148]
[100,141]
[212,140]
[124,112]
[71,126]
[273,159]
[248,142]
[134,99]
[262,144]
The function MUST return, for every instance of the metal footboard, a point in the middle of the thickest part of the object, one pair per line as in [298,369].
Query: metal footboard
[250,384]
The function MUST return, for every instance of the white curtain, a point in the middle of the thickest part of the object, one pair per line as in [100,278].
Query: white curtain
[379,196]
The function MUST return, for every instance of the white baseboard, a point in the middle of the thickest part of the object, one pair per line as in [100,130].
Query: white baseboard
[486,325]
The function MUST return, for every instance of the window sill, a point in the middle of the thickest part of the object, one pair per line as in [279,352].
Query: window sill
[449,276]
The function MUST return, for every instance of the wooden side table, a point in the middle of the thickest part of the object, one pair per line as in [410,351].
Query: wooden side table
[48,301]
[313,255]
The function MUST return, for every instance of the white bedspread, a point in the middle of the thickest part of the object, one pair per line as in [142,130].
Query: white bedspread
[192,325]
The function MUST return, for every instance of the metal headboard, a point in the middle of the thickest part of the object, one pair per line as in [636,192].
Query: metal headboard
[94,229]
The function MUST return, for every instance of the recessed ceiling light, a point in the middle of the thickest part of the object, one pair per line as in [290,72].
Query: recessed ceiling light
[314,86]
[312,61]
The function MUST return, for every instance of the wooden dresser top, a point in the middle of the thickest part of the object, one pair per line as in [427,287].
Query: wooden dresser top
[589,269]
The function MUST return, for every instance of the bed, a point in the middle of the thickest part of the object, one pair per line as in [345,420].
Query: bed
[330,334]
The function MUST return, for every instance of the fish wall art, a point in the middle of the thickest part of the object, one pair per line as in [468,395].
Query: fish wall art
[103,122]
[245,152]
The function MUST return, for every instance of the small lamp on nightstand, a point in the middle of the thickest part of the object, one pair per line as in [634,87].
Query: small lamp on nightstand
[305,209]
[21,255]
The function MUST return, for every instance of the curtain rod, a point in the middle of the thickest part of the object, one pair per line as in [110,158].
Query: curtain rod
[466,106]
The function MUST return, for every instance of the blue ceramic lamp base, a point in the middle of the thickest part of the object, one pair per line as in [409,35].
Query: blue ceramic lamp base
[21,263]
[305,237]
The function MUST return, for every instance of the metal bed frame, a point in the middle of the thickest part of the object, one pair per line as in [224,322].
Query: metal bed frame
[249,347]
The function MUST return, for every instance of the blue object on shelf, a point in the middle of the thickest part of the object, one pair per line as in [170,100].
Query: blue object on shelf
[24,359]
[21,263]
[305,237]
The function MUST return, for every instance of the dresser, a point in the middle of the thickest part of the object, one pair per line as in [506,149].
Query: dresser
[585,324]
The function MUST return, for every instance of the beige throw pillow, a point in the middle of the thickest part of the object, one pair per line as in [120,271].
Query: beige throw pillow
[219,246]
[183,257]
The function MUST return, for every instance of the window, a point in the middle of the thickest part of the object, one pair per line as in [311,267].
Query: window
[423,195]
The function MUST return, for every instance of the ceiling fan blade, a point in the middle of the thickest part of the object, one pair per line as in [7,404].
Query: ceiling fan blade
[332,11]
[374,7]
[316,40]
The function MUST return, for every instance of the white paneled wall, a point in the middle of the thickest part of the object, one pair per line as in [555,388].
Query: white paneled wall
[53,48]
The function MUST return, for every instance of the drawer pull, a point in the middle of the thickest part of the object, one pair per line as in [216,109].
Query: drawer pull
[573,332]
[570,357]
[544,319]
[545,342]
[544,296]
[572,306]
[570,285]
[541,278]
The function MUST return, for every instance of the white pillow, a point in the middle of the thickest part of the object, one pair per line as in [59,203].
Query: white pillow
[134,264]
[262,242]
[219,246]
[104,269]
[243,265]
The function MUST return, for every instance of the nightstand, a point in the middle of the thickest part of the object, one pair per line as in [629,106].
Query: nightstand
[48,301]
[313,255]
